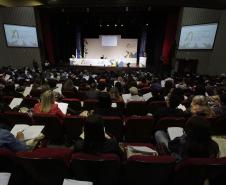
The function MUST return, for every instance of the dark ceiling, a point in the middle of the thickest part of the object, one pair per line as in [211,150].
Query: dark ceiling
[216,4]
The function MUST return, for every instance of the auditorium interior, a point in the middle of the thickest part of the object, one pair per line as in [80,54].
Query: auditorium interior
[112,92]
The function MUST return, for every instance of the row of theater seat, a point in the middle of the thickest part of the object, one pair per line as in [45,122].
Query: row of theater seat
[131,108]
[127,129]
[49,166]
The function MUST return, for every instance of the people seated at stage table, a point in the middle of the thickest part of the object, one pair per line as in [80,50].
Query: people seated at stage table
[48,105]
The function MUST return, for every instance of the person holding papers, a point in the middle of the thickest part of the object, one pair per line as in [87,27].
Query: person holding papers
[134,95]
[48,105]
[94,140]
[8,141]
[196,142]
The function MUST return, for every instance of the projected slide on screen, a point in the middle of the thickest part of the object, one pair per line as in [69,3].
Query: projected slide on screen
[198,36]
[20,36]
[109,51]
[109,40]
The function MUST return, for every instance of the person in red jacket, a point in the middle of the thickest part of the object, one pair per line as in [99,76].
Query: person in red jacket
[48,105]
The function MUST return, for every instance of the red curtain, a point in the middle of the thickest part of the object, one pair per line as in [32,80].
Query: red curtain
[48,39]
[169,38]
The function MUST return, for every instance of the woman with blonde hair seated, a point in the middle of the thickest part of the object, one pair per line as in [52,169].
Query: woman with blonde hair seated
[48,105]
[199,106]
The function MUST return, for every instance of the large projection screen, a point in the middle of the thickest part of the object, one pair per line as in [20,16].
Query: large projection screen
[198,36]
[20,36]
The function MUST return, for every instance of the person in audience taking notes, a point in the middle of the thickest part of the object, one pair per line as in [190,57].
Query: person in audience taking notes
[8,141]
[94,140]
[196,142]
[48,105]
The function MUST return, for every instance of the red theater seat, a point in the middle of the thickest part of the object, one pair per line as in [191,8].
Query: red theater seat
[156,105]
[149,170]
[139,129]
[100,169]
[74,104]
[114,126]
[198,170]
[13,118]
[53,130]
[46,166]
[165,122]
[90,104]
[6,160]
[73,127]
[136,108]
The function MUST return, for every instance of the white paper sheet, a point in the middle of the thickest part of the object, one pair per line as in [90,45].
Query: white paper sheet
[147,96]
[7,77]
[114,105]
[15,102]
[63,107]
[182,107]
[33,131]
[175,132]
[125,97]
[76,182]
[30,132]
[4,178]
[27,91]
[142,149]
[58,89]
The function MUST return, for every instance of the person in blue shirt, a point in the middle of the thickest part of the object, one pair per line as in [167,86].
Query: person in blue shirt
[8,141]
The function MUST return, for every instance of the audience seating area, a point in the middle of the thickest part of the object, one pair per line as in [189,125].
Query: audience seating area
[49,166]
[53,159]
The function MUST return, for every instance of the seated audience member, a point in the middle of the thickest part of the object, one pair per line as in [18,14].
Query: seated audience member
[48,105]
[156,96]
[104,106]
[214,103]
[134,95]
[92,93]
[174,99]
[119,86]
[199,106]
[94,140]
[3,106]
[102,87]
[196,142]
[169,85]
[223,104]
[114,93]
[83,86]
[68,85]
[8,141]
[9,90]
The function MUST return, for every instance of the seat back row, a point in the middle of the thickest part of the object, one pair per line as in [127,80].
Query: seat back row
[49,166]
[129,129]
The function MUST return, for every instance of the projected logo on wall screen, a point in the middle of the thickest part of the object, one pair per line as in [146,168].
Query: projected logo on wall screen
[198,36]
[21,36]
